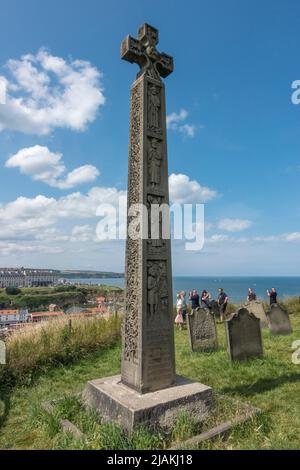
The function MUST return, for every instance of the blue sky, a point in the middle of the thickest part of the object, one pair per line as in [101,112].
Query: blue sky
[235,130]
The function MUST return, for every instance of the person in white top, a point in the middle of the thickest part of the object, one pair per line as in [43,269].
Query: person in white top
[179,307]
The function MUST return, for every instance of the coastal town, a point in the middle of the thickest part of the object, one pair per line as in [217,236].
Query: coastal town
[25,287]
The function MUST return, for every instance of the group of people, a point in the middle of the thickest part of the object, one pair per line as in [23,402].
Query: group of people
[272,294]
[206,301]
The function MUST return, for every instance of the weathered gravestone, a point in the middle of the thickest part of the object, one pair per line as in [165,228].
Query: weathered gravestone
[148,391]
[256,307]
[202,330]
[244,339]
[279,320]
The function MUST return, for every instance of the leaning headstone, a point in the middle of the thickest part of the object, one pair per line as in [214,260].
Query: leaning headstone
[256,307]
[279,320]
[202,330]
[244,339]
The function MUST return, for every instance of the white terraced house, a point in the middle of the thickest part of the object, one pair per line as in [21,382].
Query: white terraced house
[23,277]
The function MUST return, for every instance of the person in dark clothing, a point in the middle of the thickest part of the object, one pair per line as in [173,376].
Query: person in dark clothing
[194,298]
[222,303]
[251,295]
[273,295]
[184,306]
[205,300]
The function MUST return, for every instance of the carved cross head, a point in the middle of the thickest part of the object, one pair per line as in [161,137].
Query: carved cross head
[143,52]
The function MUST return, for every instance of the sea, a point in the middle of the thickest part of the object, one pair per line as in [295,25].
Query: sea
[235,287]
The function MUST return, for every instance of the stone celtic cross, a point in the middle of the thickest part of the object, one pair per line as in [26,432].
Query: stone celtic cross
[143,52]
[148,360]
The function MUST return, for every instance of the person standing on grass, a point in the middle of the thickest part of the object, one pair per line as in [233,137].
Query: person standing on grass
[194,298]
[179,318]
[206,299]
[184,306]
[222,302]
[273,296]
[251,295]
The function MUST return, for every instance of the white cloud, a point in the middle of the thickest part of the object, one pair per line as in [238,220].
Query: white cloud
[3,88]
[44,92]
[234,225]
[12,248]
[288,237]
[38,218]
[221,238]
[46,166]
[83,174]
[175,118]
[175,121]
[217,238]
[291,237]
[183,190]
[83,233]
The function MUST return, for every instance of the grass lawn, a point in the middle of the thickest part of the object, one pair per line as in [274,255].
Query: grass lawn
[271,383]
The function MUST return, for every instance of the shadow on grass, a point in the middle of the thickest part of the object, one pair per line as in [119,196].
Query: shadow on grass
[5,394]
[262,385]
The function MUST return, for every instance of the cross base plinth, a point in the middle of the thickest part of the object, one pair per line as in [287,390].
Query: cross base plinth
[115,401]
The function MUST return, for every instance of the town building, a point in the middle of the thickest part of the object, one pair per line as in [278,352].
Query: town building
[43,316]
[24,277]
[11,316]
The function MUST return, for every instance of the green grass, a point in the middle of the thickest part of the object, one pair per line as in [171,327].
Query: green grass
[271,383]
[40,346]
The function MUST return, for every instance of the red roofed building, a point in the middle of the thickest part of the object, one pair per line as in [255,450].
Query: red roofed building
[12,316]
[41,316]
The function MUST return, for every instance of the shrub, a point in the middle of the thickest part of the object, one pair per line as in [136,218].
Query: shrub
[12,291]
[67,288]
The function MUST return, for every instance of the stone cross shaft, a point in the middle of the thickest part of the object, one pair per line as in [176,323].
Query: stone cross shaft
[148,360]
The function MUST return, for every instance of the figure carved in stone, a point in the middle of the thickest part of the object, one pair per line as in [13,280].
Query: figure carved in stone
[155,160]
[158,299]
[155,243]
[153,288]
[154,108]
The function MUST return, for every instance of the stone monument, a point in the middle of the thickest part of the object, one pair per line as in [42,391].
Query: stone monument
[202,330]
[148,361]
[244,338]
[256,307]
[279,320]
[148,390]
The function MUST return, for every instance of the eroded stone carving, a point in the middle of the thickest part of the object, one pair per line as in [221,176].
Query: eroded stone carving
[154,162]
[154,112]
[157,288]
[133,248]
